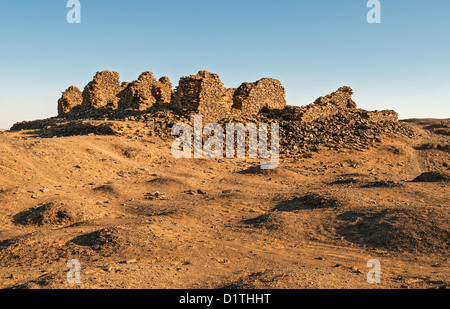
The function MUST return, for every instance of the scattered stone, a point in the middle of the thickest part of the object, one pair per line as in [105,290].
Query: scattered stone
[355,270]
[131,261]
[190,192]
[154,195]
[222,261]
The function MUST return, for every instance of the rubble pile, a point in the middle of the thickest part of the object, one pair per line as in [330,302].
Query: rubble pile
[347,129]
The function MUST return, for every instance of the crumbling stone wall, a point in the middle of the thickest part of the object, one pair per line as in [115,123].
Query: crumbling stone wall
[381,116]
[205,94]
[250,98]
[164,91]
[324,107]
[339,102]
[71,99]
[341,98]
[102,91]
[145,92]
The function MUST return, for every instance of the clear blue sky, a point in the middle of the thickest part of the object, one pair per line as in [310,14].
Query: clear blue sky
[313,47]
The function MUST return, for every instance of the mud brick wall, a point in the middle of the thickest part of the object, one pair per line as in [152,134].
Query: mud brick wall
[102,91]
[71,99]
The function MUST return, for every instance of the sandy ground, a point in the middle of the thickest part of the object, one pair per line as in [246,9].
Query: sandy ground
[135,217]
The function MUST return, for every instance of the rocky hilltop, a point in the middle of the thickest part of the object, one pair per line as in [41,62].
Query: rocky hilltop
[150,106]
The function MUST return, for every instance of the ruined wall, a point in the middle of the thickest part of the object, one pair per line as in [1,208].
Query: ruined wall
[324,107]
[102,91]
[164,91]
[381,116]
[71,99]
[336,103]
[205,94]
[202,93]
[341,98]
[145,92]
[250,98]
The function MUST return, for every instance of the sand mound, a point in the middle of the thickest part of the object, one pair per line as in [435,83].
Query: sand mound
[309,201]
[58,214]
[396,229]
[166,181]
[116,240]
[432,177]
[350,179]
[107,188]
[32,248]
[50,214]
[257,170]
[302,217]
[382,184]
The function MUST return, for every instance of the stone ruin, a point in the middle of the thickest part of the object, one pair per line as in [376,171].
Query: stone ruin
[102,91]
[251,98]
[341,98]
[145,91]
[203,93]
[150,107]
[71,99]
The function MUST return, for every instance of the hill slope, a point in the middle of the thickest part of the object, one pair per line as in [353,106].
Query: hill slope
[137,218]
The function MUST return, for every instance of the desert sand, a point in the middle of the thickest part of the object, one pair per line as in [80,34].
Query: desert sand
[134,217]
